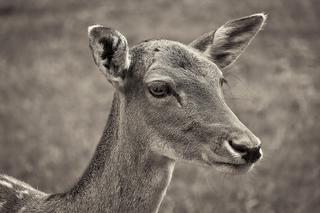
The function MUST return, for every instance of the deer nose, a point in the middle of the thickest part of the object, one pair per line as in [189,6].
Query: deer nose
[249,154]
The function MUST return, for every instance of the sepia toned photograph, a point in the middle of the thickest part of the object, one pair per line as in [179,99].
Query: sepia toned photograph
[159,106]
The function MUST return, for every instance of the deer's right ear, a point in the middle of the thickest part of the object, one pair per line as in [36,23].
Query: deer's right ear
[110,52]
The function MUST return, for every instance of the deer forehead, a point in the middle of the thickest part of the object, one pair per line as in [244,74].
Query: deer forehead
[164,58]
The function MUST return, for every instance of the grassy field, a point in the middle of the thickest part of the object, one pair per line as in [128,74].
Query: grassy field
[54,102]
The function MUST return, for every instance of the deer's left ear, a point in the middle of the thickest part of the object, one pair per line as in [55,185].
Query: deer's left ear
[224,45]
[110,52]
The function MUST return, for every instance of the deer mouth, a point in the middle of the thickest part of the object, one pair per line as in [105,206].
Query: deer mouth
[233,168]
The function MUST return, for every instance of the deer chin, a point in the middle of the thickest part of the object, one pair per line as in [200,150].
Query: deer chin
[233,169]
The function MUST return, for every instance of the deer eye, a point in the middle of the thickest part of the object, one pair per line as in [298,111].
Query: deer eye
[159,89]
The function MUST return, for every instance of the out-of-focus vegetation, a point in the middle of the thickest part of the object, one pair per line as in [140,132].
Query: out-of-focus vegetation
[54,102]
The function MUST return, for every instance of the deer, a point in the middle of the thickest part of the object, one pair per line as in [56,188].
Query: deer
[168,106]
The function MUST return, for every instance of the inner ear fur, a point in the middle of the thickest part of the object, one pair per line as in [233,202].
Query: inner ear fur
[110,52]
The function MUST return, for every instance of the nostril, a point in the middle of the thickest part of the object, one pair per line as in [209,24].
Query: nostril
[251,155]
[238,147]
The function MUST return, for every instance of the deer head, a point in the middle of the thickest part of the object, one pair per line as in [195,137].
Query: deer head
[171,93]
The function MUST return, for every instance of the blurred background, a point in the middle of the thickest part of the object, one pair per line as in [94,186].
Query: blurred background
[54,102]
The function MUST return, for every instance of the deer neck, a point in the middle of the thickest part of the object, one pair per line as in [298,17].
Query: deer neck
[124,175]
